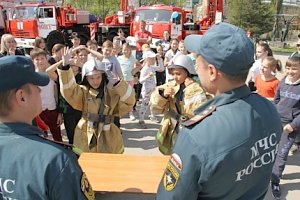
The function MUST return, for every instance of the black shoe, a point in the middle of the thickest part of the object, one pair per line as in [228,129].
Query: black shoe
[276,192]
[45,134]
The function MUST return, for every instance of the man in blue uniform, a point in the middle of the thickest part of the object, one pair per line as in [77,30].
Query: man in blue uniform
[31,166]
[228,149]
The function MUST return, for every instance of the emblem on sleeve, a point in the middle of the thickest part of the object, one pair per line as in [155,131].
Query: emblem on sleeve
[86,188]
[171,177]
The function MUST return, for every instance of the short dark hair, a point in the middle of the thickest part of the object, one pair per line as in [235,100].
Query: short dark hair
[75,35]
[293,62]
[35,52]
[107,44]
[57,47]
[92,42]
[236,78]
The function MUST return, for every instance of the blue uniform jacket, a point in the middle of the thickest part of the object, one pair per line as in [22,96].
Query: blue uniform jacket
[287,100]
[229,154]
[35,168]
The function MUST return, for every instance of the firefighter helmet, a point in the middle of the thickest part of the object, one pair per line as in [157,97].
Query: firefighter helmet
[92,67]
[183,61]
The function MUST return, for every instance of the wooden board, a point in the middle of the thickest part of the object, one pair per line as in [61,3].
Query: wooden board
[123,173]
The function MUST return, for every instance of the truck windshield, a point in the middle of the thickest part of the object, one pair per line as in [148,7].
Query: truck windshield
[153,15]
[26,12]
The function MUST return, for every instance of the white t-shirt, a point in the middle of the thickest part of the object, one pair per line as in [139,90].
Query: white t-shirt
[48,96]
[255,69]
[112,67]
[170,54]
[149,83]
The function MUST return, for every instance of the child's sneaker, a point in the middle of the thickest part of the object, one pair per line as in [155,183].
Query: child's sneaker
[131,116]
[276,193]
[142,124]
[153,118]
[294,148]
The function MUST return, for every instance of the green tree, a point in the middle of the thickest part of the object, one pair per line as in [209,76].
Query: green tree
[251,15]
[97,7]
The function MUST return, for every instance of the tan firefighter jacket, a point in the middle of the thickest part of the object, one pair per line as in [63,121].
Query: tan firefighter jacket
[95,131]
[193,97]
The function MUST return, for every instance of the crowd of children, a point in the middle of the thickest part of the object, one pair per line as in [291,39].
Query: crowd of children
[86,82]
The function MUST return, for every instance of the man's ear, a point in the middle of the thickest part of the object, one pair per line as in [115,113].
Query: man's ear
[20,97]
[213,72]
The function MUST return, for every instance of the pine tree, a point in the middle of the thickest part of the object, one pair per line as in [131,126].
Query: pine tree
[251,15]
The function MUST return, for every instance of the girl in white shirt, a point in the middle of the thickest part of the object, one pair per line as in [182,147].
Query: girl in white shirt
[168,57]
[148,81]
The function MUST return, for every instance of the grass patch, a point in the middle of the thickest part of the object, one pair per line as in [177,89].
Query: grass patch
[287,49]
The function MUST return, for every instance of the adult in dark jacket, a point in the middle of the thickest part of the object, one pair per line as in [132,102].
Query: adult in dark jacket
[9,46]
[32,167]
[228,149]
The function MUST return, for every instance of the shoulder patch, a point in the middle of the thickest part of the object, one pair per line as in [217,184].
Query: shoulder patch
[200,116]
[171,177]
[172,172]
[86,188]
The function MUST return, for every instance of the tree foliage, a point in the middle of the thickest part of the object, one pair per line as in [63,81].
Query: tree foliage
[251,15]
[100,8]
[277,6]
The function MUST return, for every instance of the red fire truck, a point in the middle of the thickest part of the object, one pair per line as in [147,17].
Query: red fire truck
[159,18]
[55,24]
[29,20]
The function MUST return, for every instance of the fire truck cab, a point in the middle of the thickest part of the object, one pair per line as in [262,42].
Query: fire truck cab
[31,20]
[160,18]
[48,21]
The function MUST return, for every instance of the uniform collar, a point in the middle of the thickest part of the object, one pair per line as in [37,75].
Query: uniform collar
[94,93]
[18,128]
[225,98]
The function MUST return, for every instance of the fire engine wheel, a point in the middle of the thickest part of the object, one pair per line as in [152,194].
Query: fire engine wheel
[54,37]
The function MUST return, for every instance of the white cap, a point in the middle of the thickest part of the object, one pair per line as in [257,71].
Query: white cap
[149,54]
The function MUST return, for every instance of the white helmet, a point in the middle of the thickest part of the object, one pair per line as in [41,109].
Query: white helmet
[92,67]
[183,61]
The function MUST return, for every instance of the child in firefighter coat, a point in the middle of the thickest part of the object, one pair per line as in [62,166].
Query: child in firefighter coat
[177,100]
[100,101]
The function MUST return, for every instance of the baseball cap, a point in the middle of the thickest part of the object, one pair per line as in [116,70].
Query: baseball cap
[225,46]
[183,61]
[16,71]
[145,47]
[149,54]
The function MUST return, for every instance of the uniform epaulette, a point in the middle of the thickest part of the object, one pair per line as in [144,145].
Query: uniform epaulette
[72,147]
[200,116]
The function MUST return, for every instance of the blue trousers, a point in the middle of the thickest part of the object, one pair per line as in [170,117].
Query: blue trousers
[285,144]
